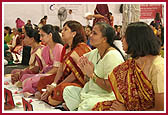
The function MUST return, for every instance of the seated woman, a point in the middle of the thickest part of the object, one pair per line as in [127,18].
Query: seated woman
[51,55]
[138,83]
[32,38]
[68,73]
[17,46]
[96,65]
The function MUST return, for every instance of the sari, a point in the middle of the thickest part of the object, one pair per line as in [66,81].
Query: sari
[69,66]
[34,66]
[131,87]
[103,10]
[50,59]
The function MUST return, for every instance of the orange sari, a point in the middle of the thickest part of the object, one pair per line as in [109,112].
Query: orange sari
[131,87]
[70,66]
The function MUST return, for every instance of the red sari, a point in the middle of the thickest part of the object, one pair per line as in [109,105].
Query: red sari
[131,87]
[70,66]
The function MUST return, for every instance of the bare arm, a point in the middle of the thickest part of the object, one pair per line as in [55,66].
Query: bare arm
[59,73]
[159,102]
[52,71]
[70,78]
[103,83]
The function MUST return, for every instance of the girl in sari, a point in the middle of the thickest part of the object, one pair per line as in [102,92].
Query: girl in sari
[51,55]
[68,73]
[96,65]
[138,83]
[32,38]
[101,14]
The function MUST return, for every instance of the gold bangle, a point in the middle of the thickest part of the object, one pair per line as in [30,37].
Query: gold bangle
[94,78]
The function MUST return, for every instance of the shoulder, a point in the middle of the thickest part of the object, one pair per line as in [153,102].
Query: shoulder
[114,55]
[92,52]
[157,64]
[123,66]
[82,48]
[58,45]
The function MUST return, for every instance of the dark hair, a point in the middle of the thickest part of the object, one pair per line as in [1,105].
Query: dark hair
[55,35]
[19,30]
[57,28]
[110,13]
[153,24]
[157,17]
[32,33]
[80,32]
[8,29]
[45,17]
[141,40]
[109,32]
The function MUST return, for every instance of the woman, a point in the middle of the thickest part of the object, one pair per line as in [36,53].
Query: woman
[138,83]
[96,65]
[51,55]
[68,73]
[32,38]
[8,35]
[101,14]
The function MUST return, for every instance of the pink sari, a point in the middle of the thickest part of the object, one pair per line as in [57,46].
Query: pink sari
[31,81]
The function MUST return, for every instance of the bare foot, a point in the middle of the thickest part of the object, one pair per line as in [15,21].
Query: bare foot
[65,107]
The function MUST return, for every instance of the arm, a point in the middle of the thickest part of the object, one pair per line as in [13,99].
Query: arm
[52,71]
[103,83]
[159,102]
[69,79]
[59,73]
[89,17]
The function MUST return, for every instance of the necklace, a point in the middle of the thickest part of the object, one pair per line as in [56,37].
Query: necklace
[102,55]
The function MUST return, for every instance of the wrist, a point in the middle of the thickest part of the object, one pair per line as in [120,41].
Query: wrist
[54,84]
[94,77]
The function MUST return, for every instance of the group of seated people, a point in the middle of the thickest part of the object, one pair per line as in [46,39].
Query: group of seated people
[67,74]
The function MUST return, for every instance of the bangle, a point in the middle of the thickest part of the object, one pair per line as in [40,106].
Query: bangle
[94,78]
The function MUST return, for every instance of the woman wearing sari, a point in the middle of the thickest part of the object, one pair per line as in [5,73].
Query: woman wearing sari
[32,38]
[96,65]
[68,73]
[51,55]
[101,14]
[138,83]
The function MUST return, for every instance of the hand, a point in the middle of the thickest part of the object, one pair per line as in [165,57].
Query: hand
[86,66]
[89,17]
[50,88]
[117,106]
[45,95]
[48,92]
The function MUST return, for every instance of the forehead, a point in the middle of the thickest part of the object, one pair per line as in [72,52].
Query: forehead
[96,28]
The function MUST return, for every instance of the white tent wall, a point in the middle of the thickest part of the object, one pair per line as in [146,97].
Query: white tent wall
[35,12]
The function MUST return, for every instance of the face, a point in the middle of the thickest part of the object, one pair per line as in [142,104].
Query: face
[67,35]
[96,38]
[124,44]
[44,37]
[88,31]
[28,41]
[6,31]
